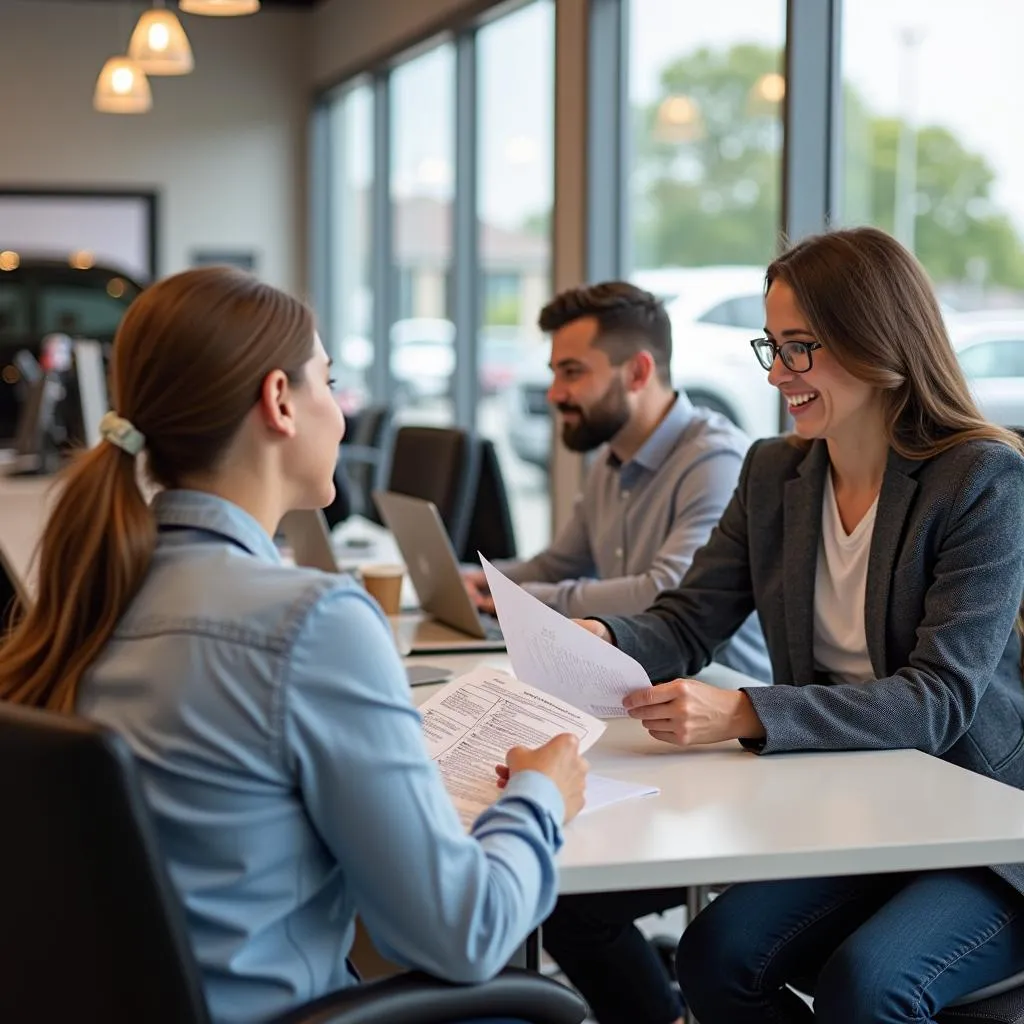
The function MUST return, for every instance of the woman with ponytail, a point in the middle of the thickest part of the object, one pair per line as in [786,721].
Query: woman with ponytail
[266,704]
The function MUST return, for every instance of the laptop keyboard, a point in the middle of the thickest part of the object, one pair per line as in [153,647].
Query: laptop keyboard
[492,631]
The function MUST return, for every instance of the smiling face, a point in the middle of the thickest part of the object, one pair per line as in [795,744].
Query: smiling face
[588,389]
[827,401]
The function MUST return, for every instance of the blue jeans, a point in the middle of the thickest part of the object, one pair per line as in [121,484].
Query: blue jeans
[882,949]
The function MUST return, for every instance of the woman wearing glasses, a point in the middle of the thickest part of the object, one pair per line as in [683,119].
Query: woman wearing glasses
[882,547]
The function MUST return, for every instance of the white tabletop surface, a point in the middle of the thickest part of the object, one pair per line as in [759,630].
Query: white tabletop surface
[726,815]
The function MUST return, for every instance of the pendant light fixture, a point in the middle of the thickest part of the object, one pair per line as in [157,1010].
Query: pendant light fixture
[122,88]
[220,8]
[159,45]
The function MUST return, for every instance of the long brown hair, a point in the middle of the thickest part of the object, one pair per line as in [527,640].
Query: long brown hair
[188,363]
[870,303]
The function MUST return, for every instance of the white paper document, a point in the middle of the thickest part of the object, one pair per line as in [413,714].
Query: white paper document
[552,653]
[603,792]
[472,722]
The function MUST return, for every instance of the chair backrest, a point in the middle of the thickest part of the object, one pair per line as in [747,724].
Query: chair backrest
[366,456]
[490,532]
[341,506]
[90,927]
[442,465]
[11,590]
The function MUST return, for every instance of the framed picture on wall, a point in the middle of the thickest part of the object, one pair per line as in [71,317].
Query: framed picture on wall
[105,226]
[244,259]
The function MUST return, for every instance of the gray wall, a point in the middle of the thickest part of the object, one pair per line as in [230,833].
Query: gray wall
[225,146]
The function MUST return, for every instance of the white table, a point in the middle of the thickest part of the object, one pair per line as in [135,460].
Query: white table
[726,815]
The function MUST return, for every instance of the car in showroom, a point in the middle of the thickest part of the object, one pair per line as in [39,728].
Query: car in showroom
[43,296]
[715,312]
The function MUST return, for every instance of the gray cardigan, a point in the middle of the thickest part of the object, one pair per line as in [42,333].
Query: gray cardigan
[945,580]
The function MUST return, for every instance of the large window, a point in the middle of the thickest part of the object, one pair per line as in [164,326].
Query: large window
[932,154]
[422,183]
[515,57]
[706,97]
[349,317]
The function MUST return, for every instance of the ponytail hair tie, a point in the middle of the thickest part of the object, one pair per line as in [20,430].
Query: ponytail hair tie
[121,433]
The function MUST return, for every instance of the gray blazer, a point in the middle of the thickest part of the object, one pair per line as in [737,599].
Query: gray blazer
[945,580]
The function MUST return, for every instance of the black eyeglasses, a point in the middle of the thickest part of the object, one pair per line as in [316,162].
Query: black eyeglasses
[795,355]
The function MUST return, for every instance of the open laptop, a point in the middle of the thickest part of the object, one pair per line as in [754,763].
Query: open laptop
[305,532]
[454,623]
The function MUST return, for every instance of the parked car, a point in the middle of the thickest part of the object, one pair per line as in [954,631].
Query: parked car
[715,311]
[423,360]
[991,354]
[502,350]
[40,296]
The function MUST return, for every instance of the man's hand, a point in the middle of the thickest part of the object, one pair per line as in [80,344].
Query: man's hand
[479,593]
[687,711]
[599,629]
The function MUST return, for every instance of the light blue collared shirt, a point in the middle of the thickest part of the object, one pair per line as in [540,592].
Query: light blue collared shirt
[287,773]
[637,525]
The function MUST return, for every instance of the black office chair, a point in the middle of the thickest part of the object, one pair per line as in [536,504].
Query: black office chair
[341,506]
[1000,1003]
[490,532]
[366,455]
[442,465]
[92,930]
[363,460]
[9,593]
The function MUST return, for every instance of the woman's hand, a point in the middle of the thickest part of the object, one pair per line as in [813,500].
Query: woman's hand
[687,711]
[599,629]
[560,760]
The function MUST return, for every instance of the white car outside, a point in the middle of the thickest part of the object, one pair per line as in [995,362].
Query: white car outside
[423,356]
[991,353]
[715,312]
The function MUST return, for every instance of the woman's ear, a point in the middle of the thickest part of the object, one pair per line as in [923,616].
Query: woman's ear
[276,406]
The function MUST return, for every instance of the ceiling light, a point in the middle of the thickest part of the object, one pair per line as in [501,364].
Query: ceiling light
[159,45]
[220,8]
[122,88]
[82,260]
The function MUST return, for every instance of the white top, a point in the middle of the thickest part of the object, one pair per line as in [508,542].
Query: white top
[840,588]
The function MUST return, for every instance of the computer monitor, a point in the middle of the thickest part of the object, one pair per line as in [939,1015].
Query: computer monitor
[92,388]
[37,416]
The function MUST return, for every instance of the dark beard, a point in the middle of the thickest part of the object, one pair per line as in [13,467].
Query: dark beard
[598,426]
